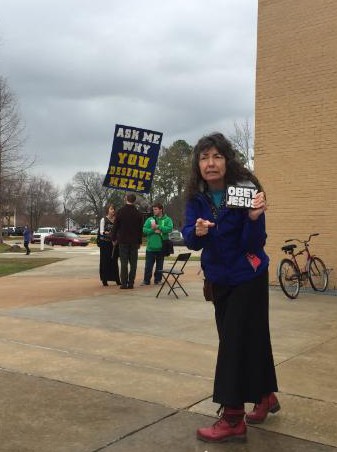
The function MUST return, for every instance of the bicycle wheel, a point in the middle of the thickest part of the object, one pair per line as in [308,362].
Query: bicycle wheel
[318,274]
[289,278]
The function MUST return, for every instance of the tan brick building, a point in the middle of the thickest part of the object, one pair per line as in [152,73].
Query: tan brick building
[296,124]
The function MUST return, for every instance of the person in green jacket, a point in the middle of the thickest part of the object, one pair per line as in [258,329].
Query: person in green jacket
[156,229]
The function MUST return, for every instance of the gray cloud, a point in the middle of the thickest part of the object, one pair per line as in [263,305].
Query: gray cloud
[79,67]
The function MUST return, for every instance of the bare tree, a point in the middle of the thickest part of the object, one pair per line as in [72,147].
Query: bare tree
[85,197]
[243,141]
[12,161]
[13,194]
[41,199]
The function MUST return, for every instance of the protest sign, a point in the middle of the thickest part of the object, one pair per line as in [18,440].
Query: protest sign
[133,159]
[239,196]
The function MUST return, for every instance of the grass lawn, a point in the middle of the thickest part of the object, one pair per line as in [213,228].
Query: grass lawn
[4,248]
[11,265]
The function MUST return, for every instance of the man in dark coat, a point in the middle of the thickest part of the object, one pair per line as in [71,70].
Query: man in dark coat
[128,231]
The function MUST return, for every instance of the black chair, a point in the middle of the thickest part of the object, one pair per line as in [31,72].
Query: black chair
[175,272]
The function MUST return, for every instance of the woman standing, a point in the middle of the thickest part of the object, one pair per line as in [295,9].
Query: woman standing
[235,266]
[108,264]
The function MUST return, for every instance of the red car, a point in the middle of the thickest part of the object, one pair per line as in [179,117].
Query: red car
[65,239]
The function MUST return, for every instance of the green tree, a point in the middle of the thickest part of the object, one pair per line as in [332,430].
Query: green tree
[170,178]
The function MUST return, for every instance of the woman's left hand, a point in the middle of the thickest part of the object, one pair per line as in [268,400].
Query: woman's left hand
[259,206]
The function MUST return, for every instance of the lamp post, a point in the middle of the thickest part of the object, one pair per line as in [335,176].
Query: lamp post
[66,216]
[33,196]
[31,212]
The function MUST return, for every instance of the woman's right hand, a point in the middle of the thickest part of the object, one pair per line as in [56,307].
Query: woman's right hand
[202,226]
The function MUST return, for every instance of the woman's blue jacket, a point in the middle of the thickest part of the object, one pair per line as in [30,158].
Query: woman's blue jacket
[225,248]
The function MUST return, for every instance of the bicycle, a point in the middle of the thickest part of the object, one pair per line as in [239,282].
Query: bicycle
[290,275]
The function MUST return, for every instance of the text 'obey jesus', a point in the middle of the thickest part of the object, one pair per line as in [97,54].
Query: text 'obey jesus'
[239,196]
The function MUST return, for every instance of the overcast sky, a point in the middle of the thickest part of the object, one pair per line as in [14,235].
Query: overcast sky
[78,67]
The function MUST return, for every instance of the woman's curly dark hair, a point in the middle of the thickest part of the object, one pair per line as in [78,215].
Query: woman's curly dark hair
[107,207]
[235,171]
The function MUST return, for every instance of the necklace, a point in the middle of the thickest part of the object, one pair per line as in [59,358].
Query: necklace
[216,209]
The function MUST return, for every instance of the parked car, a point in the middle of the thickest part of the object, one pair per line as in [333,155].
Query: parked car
[94,231]
[7,231]
[18,230]
[84,231]
[65,239]
[70,230]
[42,232]
[176,238]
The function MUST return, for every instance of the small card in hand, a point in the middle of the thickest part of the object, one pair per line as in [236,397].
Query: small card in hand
[240,196]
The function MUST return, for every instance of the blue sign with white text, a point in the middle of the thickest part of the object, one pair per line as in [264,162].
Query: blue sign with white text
[133,159]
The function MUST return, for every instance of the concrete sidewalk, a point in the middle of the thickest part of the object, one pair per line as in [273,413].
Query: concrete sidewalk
[89,368]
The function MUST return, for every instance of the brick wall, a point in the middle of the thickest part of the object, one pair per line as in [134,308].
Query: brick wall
[296,124]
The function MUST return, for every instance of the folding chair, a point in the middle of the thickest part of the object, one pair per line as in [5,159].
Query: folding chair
[175,272]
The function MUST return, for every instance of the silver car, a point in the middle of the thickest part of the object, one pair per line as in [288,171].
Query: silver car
[177,238]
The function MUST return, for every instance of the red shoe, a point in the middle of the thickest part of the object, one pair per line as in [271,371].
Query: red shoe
[230,427]
[269,404]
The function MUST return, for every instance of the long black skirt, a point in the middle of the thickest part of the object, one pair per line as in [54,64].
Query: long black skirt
[245,366]
[108,263]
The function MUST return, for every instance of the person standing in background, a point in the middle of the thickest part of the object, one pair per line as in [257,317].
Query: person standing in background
[156,229]
[108,263]
[127,232]
[27,237]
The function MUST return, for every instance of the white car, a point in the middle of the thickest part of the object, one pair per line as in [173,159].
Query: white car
[42,232]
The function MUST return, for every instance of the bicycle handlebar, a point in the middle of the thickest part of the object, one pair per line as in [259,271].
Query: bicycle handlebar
[302,241]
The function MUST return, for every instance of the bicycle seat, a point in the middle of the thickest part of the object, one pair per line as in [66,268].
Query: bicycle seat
[288,248]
